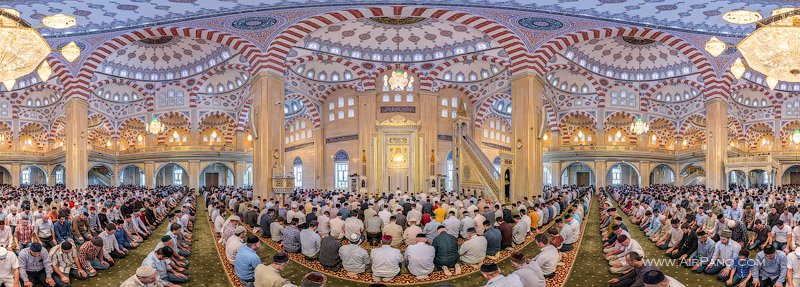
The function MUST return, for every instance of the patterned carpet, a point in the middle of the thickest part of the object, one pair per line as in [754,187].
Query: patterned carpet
[300,266]
[205,268]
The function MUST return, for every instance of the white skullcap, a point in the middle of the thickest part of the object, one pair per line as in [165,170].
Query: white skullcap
[239,229]
[145,271]
[235,218]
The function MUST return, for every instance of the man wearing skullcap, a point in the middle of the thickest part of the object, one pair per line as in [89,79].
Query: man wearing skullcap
[618,263]
[530,273]
[725,252]
[247,260]
[472,251]
[385,260]
[446,251]
[419,257]
[234,243]
[354,257]
[491,272]
[9,267]
[145,276]
[314,279]
[229,227]
[656,278]
[35,266]
[270,275]
[166,275]
[64,266]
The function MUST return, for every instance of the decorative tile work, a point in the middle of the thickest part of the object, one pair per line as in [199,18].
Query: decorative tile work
[297,147]
[399,109]
[254,23]
[540,23]
[341,139]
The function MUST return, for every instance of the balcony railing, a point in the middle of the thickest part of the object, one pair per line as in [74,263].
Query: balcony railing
[607,148]
[184,149]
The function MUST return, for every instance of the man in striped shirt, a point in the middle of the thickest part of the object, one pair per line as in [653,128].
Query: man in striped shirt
[91,256]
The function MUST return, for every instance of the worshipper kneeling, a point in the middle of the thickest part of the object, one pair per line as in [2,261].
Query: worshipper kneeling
[491,272]
[329,253]
[548,256]
[473,251]
[35,266]
[770,268]
[386,261]
[529,273]
[446,246]
[270,275]
[740,275]
[145,276]
[702,255]
[64,266]
[419,257]
[725,252]
[10,268]
[247,260]
[234,243]
[310,241]
[166,275]
[635,276]
[656,278]
[355,258]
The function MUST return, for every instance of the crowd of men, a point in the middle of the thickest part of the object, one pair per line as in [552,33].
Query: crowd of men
[50,236]
[711,232]
[416,232]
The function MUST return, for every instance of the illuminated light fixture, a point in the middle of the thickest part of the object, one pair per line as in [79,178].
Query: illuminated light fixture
[139,138]
[653,138]
[213,135]
[176,135]
[23,48]
[773,47]
[249,137]
[399,80]
[733,144]
[580,134]
[2,139]
[71,51]
[742,16]
[108,143]
[685,143]
[639,126]
[738,68]
[155,126]
[796,137]
[772,82]
[44,71]
[544,137]
[715,46]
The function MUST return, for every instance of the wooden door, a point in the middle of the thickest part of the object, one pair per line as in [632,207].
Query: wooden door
[583,178]
[212,179]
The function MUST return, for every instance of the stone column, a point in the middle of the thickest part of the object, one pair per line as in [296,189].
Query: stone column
[600,170]
[193,174]
[367,117]
[16,174]
[76,143]
[526,94]
[645,168]
[268,116]
[429,119]
[555,172]
[239,169]
[717,141]
[318,136]
[115,179]
[194,128]
[149,174]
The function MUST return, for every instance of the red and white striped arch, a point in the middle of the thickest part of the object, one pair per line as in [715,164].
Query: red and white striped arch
[311,109]
[217,70]
[368,82]
[81,83]
[542,55]
[772,99]
[242,117]
[120,81]
[601,92]
[279,48]
[648,96]
[688,123]
[484,109]
[552,115]
[36,88]
[230,129]
[607,90]
[336,87]
[434,73]
[461,88]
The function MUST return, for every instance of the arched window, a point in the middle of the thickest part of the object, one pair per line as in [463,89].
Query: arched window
[547,176]
[177,176]
[497,163]
[298,171]
[248,176]
[341,169]
[449,172]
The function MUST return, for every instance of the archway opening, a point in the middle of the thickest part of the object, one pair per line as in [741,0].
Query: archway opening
[216,174]
[101,175]
[33,175]
[791,175]
[758,178]
[662,174]
[172,174]
[693,175]
[59,174]
[623,174]
[507,183]
[737,178]
[132,175]
[5,176]
[578,174]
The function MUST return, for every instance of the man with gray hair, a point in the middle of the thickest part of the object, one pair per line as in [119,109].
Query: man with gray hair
[145,276]
[234,243]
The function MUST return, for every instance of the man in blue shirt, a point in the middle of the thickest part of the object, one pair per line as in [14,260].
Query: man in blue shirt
[247,260]
[771,266]
[63,230]
[493,240]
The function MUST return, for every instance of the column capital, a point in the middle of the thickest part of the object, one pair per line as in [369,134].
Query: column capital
[270,74]
[526,75]
[714,101]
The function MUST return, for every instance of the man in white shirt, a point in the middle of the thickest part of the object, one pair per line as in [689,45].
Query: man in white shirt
[9,268]
[419,257]
[386,261]
[336,226]
[452,225]
[234,243]
[491,272]
[548,256]
[473,251]
[619,265]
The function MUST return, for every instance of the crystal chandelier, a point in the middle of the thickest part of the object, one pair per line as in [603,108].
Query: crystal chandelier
[773,49]
[796,137]
[639,126]
[23,49]
[155,126]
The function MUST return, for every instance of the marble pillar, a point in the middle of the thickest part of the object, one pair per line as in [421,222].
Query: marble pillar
[268,118]
[716,143]
[526,94]
[76,143]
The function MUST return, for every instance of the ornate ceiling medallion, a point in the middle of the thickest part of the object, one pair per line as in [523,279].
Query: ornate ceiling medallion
[397,21]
